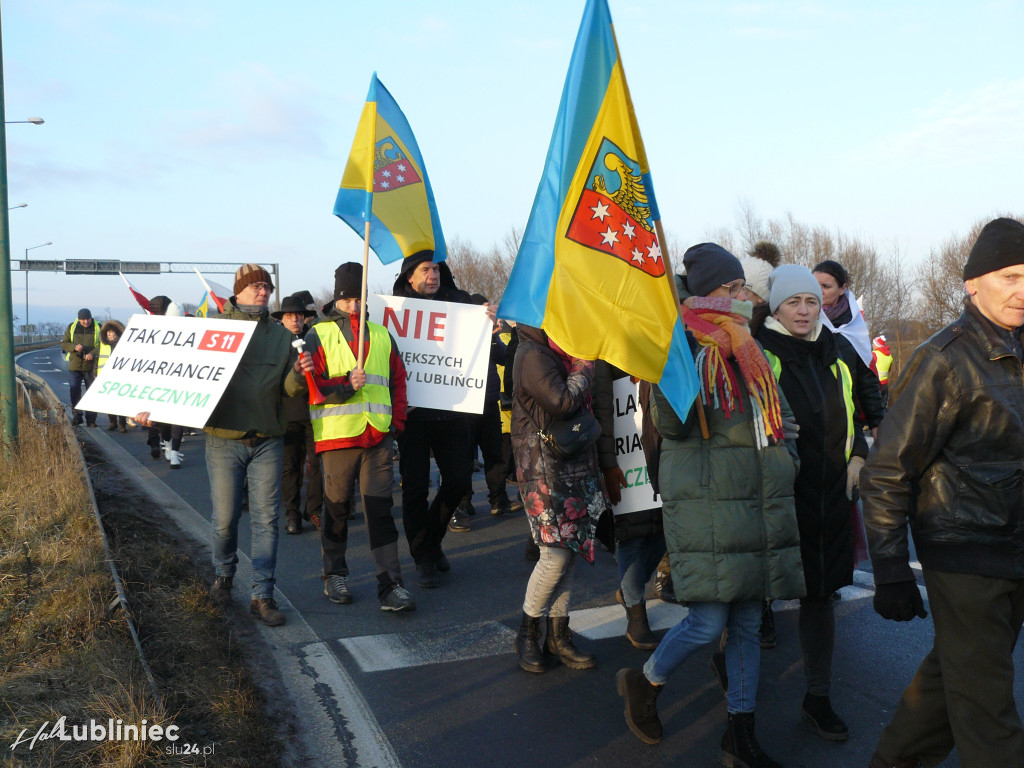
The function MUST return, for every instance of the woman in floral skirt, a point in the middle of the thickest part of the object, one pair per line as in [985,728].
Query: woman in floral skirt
[564,498]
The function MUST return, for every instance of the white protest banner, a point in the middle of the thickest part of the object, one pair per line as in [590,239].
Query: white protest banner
[445,348]
[629,454]
[177,368]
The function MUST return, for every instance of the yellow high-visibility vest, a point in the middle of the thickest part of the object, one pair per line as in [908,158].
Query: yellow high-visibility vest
[370,405]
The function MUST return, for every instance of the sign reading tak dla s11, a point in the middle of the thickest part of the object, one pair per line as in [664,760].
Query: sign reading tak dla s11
[445,348]
[177,368]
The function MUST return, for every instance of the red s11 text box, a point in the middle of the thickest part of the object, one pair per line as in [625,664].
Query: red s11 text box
[221,341]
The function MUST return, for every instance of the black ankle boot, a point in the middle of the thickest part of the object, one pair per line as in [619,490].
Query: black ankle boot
[638,629]
[641,704]
[559,643]
[739,745]
[819,713]
[528,645]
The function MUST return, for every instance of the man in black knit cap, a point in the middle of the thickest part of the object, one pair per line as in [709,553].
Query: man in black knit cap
[949,459]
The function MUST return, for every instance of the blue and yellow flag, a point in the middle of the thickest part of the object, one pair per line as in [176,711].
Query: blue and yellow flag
[204,305]
[590,270]
[386,183]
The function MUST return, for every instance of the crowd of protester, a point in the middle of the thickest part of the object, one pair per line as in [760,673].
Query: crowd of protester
[766,484]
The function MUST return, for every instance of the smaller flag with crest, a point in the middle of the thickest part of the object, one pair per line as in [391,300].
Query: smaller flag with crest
[385,182]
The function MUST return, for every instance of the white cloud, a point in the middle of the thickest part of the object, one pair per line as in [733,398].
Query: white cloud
[260,112]
[962,129]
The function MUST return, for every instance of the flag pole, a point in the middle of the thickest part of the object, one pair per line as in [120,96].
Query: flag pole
[670,275]
[362,295]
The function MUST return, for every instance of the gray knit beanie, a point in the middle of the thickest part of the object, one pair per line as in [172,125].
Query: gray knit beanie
[788,280]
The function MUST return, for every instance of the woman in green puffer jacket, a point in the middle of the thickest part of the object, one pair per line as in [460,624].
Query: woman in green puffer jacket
[729,516]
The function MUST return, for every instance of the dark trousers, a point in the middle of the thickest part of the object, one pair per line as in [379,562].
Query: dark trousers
[298,447]
[168,432]
[76,379]
[485,431]
[962,694]
[374,467]
[817,626]
[425,525]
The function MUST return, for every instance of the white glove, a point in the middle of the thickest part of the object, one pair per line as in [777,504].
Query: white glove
[853,476]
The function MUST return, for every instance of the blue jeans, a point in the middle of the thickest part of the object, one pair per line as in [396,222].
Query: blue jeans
[638,560]
[229,463]
[704,624]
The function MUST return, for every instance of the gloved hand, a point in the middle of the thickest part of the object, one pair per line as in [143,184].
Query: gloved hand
[899,601]
[790,429]
[853,476]
[614,480]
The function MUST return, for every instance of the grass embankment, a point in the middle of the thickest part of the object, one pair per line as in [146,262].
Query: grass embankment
[62,654]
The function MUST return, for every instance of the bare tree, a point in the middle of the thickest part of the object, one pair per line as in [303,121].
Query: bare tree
[481,272]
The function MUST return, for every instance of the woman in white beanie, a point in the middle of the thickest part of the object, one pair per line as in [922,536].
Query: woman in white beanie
[817,383]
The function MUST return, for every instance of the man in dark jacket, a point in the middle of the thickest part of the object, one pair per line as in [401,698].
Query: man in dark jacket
[949,460]
[298,436]
[445,433]
[81,347]
[245,442]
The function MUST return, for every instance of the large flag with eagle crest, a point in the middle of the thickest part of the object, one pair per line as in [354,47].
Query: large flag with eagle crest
[590,270]
[386,183]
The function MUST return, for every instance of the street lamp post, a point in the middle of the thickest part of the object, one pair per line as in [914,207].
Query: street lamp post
[33,120]
[26,282]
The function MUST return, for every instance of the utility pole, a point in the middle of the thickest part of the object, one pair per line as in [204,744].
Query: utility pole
[8,390]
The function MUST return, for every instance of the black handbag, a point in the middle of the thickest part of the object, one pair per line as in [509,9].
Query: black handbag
[567,438]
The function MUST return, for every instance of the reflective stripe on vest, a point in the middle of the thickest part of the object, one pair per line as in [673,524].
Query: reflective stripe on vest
[370,405]
[847,381]
[104,354]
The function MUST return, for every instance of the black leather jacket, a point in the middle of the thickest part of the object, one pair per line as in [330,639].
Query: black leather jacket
[950,459]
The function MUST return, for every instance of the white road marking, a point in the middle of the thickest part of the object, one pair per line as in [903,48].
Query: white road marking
[377,653]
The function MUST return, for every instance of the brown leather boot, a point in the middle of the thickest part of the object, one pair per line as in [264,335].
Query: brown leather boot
[638,629]
[528,644]
[559,643]
[266,610]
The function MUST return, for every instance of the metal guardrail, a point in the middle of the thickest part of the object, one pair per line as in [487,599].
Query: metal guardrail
[55,413]
[28,346]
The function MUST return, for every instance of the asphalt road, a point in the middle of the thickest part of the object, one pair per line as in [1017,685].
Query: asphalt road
[440,687]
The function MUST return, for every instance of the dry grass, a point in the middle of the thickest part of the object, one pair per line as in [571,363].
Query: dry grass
[62,654]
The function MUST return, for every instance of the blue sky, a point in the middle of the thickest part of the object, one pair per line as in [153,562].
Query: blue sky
[218,131]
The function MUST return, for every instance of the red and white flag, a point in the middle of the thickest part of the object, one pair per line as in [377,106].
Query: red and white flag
[143,301]
[219,295]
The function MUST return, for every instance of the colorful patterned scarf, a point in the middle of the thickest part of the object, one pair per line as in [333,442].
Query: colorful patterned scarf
[718,325]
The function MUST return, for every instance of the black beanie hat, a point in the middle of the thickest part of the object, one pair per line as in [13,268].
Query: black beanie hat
[1000,244]
[411,262]
[84,314]
[708,266]
[348,281]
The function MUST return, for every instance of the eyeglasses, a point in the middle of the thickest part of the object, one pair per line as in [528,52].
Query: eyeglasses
[262,287]
[736,287]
